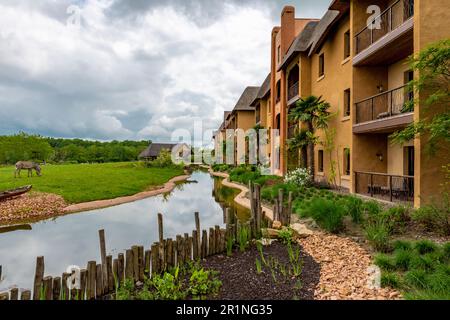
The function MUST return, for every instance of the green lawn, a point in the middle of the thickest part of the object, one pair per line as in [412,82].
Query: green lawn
[87,182]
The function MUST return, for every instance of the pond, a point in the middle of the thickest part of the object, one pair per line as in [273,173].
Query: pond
[73,239]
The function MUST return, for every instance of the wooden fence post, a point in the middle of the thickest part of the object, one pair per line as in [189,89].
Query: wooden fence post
[148,257]
[25,295]
[109,274]
[199,231]
[141,262]
[115,274]
[14,294]
[38,277]
[48,288]
[129,269]
[195,245]
[211,246]
[101,235]
[204,251]
[99,282]
[91,268]
[57,288]
[4,296]
[83,281]
[169,253]
[155,258]
[121,268]
[135,263]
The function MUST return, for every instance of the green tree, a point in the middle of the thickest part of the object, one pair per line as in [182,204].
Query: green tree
[313,111]
[432,65]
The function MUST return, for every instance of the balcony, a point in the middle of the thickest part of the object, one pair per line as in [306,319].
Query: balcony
[293,93]
[393,188]
[388,38]
[383,112]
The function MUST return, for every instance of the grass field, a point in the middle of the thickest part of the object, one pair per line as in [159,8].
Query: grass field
[78,183]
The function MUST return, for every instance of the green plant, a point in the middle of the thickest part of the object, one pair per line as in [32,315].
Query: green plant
[259,247]
[435,216]
[167,286]
[403,259]
[299,177]
[377,233]
[355,208]
[294,260]
[385,262]
[286,235]
[203,283]
[425,246]
[402,245]
[243,237]
[372,208]
[396,218]
[327,213]
[390,279]
[258,266]
[230,243]
[125,290]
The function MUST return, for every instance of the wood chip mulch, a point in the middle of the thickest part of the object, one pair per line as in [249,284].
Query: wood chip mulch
[240,280]
[30,207]
[343,269]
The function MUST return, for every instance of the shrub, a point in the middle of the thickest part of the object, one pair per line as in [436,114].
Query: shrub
[425,246]
[164,160]
[435,216]
[390,279]
[327,213]
[372,208]
[377,233]
[416,278]
[385,262]
[286,235]
[403,259]
[396,218]
[202,283]
[299,177]
[402,245]
[355,208]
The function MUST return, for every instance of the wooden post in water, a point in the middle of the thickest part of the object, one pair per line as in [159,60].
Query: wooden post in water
[48,288]
[83,282]
[57,288]
[38,277]
[129,269]
[25,295]
[109,274]
[121,268]
[14,294]
[91,268]
[101,235]
[141,263]
[99,281]
[64,289]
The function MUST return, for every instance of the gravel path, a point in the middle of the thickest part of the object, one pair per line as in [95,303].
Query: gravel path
[343,269]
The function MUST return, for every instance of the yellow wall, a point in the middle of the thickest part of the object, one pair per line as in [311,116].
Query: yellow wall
[396,74]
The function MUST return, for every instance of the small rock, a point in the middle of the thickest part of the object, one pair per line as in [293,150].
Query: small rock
[270,233]
[301,231]
[276,225]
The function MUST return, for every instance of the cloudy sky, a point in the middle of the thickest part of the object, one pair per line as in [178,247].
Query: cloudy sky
[131,69]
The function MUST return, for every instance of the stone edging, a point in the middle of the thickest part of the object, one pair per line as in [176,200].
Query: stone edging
[100,204]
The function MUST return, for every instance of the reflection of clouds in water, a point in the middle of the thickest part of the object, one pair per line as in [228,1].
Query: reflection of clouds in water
[73,239]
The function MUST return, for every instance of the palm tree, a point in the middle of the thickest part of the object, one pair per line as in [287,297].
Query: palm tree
[300,141]
[313,111]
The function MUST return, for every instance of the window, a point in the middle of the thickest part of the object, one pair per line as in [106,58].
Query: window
[278,96]
[347,161]
[278,54]
[320,161]
[347,44]
[347,103]
[321,65]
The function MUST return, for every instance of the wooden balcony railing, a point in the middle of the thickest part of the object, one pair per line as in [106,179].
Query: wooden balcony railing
[293,91]
[385,186]
[391,18]
[383,105]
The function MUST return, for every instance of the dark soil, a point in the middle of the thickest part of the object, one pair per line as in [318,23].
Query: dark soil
[240,280]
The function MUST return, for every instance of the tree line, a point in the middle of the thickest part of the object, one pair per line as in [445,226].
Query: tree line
[23,146]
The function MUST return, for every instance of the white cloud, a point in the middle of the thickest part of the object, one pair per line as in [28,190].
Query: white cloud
[119,77]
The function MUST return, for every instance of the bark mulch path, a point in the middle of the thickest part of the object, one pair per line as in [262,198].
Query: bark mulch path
[240,280]
[344,269]
[30,207]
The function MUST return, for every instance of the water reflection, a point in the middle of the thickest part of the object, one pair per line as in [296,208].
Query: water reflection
[73,239]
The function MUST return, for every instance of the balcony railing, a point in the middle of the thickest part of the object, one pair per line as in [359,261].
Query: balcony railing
[383,105]
[384,186]
[391,18]
[293,91]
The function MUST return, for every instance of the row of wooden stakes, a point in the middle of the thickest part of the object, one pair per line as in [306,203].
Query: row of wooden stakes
[100,280]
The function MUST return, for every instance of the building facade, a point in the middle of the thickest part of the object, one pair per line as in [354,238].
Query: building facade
[356,59]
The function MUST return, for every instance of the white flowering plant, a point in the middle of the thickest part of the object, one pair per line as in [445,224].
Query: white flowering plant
[299,177]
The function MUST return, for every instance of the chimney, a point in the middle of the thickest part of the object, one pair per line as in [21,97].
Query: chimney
[287,28]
